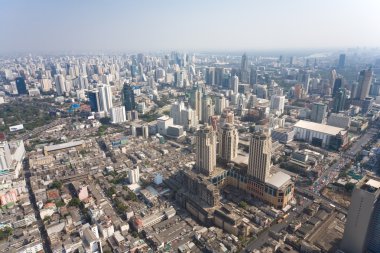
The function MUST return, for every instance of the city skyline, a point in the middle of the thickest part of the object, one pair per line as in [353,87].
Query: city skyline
[44,26]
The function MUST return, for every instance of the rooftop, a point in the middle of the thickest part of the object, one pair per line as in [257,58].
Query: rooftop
[278,179]
[318,127]
[63,145]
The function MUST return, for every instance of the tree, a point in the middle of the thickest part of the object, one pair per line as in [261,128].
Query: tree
[59,203]
[349,187]
[5,232]
[74,202]
[56,185]
[243,204]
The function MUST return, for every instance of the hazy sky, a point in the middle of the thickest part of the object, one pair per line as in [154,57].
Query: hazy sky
[193,25]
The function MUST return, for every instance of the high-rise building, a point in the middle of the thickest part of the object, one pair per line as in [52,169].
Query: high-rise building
[365,81]
[145,131]
[362,230]
[118,114]
[175,112]
[45,84]
[60,86]
[206,150]
[220,104]
[342,61]
[260,149]
[228,142]
[339,102]
[5,156]
[235,84]
[277,103]
[318,113]
[210,76]
[129,97]
[21,86]
[207,108]
[105,96]
[134,175]
[94,99]
[332,78]
[244,70]
[196,101]
[337,85]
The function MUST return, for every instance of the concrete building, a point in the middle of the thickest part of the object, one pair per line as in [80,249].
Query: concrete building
[277,103]
[134,175]
[163,123]
[206,150]
[145,131]
[5,156]
[118,114]
[220,104]
[283,135]
[364,83]
[207,109]
[362,230]
[339,120]
[196,101]
[105,96]
[228,142]
[260,148]
[321,135]
[318,113]
[235,84]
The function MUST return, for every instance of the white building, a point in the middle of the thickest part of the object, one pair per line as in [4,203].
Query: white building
[134,175]
[118,114]
[105,96]
[339,120]
[277,103]
[163,123]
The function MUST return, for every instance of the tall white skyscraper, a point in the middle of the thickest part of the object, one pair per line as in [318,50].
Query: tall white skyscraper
[105,94]
[235,84]
[228,142]
[5,156]
[196,101]
[206,150]
[220,104]
[260,149]
[118,114]
[277,103]
[175,112]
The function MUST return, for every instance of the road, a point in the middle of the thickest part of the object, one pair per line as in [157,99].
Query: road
[32,198]
[357,147]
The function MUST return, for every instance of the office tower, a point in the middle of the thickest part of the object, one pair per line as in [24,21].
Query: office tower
[179,78]
[134,175]
[220,104]
[253,76]
[46,84]
[339,102]
[21,86]
[332,78]
[260,149]
[188,118]
[118,114]
[362,229]
[5,156]
[210,76]
[206,150]
[261,91]
[244,70]
[318,113]
[235,84]
[277,103]
[342,61]
[196,101]
[219,76]
[365,81]
[228,142]
[337,85]
[105,96]
[175,112]
[129,97]
[60,86]
[207,108]
[94,99]
[145,131]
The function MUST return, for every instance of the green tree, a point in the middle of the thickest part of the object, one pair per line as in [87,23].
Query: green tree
[56,185]
[74,202]
[5,232]
[243,204]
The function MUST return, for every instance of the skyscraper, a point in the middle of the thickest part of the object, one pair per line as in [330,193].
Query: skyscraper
[93,97]
[196,101]
[210,76]
[339,100]
[134,175]
[332,78]
[260,149]
[206,150]
[277,103]
[337,85]
[60,86]
[244,70]
[118,114]
[365,81]
[207,108]
[362,230]
[220,104]
[105,94]
[342,61]
[228,142]
[318,113]
[21,86]
[129,97]
[235,84]
[5,156]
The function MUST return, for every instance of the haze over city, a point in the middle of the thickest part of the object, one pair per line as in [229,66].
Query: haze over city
[213,25]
